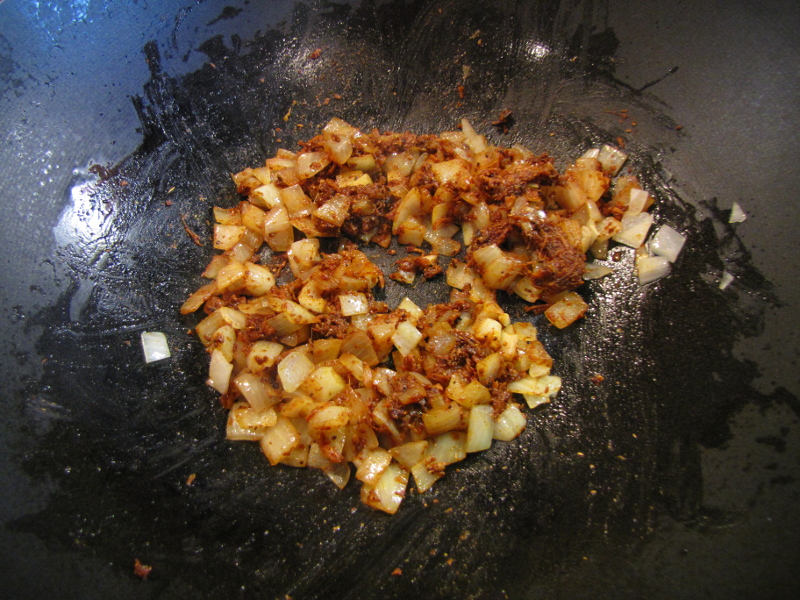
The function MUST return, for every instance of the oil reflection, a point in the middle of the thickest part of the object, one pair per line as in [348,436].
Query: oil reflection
[537,50]
[85,233]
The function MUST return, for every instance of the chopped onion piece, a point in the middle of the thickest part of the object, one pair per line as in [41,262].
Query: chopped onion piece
[334,211]
[340,150]
[427,472]
[509,424]
[406,337]
[637,202]
[442,418]
[370,464]
[414,311]
[499,269]
[219,372]
[279,440]
[258,280]
[338,473]
[311,163]
[651,268]
[226,236]
[725,280]
[534,401]
[359,345]
[245,424]
[737,214]
[262,355]
[409,454]
[277,220]
[596,271]
[328,418]
[268,196]
[449,447]
[481,428]
[567,310]
[257,393]
[611,159]
[293,369]
[634,229]
[154,344]
[353,304]
[323,384]
[390,489]
[667,243]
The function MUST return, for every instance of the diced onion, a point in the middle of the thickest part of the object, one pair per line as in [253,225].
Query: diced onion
[567,310]
[611,159]
[353,304]
[637,202]
[293,369]
[219,372]
[279,440]
[481,428]
[667,243]
[155,346]
[449,447]
[725,280]
[311,163]
[391,488]
[596,271]
[371,463]
[509,424]
[406,337]
[255,391]
[737,214]
[651,268]
[340,150]
[634,230]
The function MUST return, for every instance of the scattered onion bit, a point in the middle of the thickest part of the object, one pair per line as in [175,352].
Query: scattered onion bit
[323,375]
[155,346]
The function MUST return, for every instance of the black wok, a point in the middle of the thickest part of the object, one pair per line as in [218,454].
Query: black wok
[677,476]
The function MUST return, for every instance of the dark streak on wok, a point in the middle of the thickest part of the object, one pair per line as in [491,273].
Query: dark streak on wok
[117,439]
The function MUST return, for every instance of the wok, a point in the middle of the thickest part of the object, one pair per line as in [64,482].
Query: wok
[675,477]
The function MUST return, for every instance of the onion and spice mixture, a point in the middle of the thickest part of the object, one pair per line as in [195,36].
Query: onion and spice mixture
[322,375]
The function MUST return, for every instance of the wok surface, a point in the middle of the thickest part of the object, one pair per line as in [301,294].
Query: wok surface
[676,477]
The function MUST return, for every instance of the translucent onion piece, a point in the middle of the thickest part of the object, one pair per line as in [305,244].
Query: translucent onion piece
[567,310]
[406,337]
[389,491]
[651,268]
[509,424]
[155,346]
[311,163]
[219,372]
[340,150]
[667,243]
[634,230]
[267,196]
[596,271]
[611,159]
[481,429]
[293,369]
[737,214]
[279,440]
[226,236]
[370,464]
[257,393]
[637,202]
[353,304]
